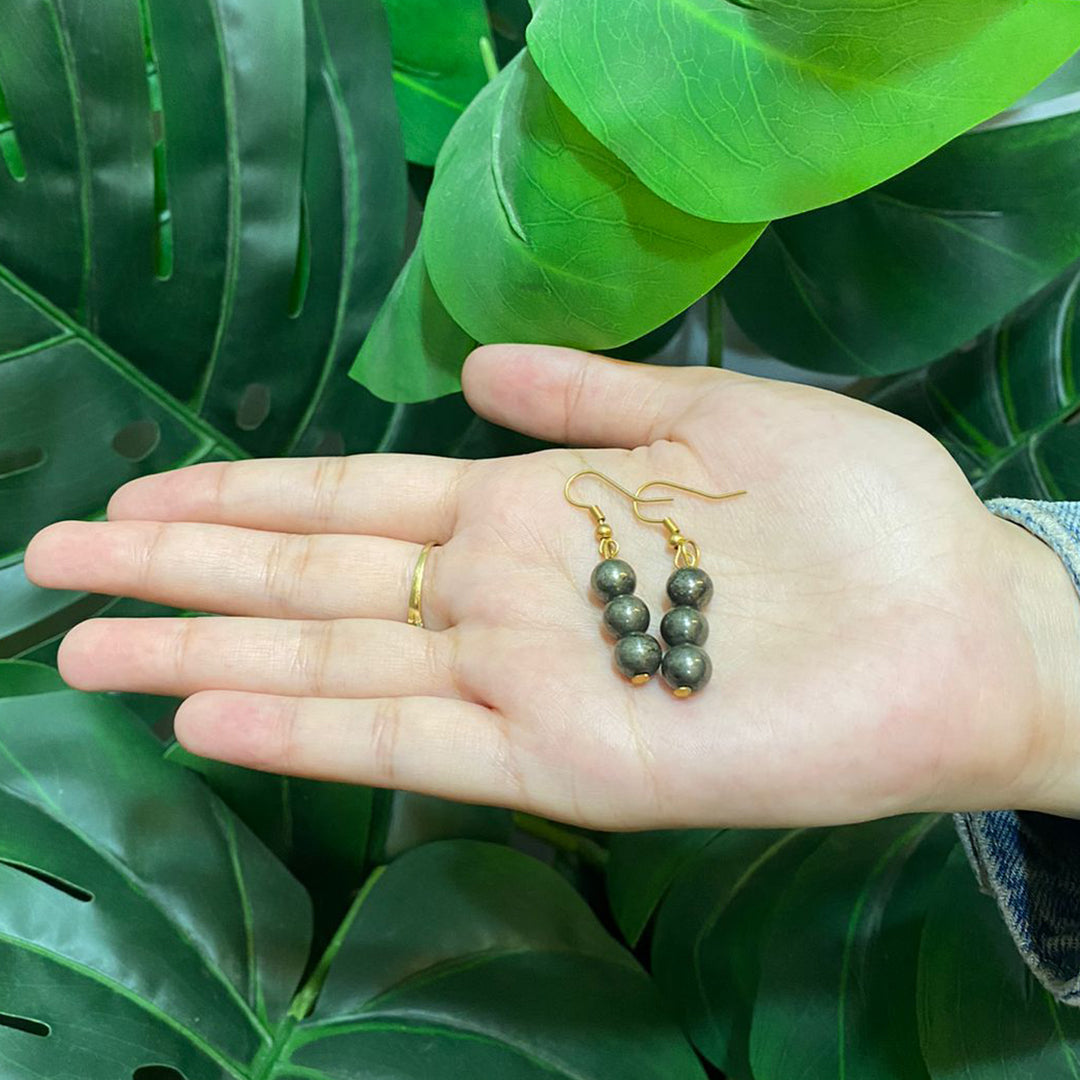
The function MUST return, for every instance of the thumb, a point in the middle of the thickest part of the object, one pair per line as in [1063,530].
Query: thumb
[579,399]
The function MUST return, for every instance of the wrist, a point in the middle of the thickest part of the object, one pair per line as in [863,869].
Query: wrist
[1046,608]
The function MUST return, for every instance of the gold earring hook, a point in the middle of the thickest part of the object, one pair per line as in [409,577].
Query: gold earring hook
[634,498]
[686,550]
[609,547]
[681,487]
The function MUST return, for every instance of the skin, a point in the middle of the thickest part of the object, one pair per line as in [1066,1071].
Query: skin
[881,642]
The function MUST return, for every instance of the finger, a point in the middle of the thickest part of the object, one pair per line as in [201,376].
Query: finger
[231,571]
[404,496]
[454,749]
[346,658]
[581,399]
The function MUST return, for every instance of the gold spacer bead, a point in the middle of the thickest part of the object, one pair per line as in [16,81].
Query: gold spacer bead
[603,532]
[683,691]
[640,680]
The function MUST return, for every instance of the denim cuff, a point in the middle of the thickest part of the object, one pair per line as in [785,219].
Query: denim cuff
[1030,862]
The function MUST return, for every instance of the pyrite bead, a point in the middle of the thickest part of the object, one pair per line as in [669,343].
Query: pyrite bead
[684,626]
[690,586]
[626,615]
[686,668]
[637,656]
[612,578]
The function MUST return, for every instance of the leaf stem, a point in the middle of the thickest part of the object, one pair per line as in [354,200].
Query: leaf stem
[305,1000]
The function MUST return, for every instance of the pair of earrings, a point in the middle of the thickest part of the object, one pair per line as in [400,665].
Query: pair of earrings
[685,666]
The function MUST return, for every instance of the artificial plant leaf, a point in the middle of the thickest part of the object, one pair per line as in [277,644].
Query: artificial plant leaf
[1005,407]
[319,830]
[982,1014]
[439,67]
[750,111]
[415,350]
[140,923]
[200,234]
[76,421]
[836,996]
[466,959]
[640,869]
[710,931]
[403,820]
[906,272]
[19,677]
[534,232]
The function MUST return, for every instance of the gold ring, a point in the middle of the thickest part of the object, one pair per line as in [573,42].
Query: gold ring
[416,617]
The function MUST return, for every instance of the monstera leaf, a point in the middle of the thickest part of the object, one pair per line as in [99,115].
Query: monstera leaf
[1005,406]
[982,1014]
[641,868]
[187,277]
[838,974]
[901,275]
[145,932]
[534,232]
[442,55]
[740,111]
[710,931]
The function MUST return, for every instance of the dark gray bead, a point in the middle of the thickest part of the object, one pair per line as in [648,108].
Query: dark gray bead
[690,586]
[612,578]
[684,626]
[626,615]
[637,656]
[686,668]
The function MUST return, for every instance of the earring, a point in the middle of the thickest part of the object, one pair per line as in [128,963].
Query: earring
[685,666]
[626,616]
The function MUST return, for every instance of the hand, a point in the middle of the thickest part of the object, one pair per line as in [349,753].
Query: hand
[881,642]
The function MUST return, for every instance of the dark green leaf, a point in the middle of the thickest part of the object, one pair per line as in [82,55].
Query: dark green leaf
[439,67]
[1003,407]
[404,820]
[982,1015]
[66,400]
[471,960]
[19,677]
[319,830]
[534,232]
[640,869]
[141,924]
[836,997]
[901,275]
[746,111]
[139,921]
[710,932]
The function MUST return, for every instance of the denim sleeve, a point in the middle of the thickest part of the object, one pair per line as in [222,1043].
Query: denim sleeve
[1030,862]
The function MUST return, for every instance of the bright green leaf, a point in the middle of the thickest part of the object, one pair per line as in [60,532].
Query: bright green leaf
[1003,407]
[415,350]
[534,232]
[709,934]
[910,270]
[745,111]
[438,67]
[836,997]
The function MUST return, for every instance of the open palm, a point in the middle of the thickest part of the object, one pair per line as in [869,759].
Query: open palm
[863,605]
